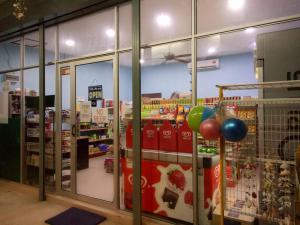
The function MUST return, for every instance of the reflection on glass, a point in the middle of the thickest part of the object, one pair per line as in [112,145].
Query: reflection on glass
[10,54]
[125,25]
[94,122]
[31,46]
[165,20]
[78,39]
[50,44]
[227,13]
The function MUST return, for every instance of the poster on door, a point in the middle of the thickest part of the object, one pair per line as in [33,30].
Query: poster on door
[99,115]
[95,92]
[85,111]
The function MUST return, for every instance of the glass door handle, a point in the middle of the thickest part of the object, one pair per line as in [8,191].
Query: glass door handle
[74,130]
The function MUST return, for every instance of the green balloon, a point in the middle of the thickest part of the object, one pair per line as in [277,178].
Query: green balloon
[194,118]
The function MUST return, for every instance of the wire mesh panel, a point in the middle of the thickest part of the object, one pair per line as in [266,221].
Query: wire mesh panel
[260,170]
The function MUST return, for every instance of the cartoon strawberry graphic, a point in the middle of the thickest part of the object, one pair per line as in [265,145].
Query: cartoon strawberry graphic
[188,198]
[177,178]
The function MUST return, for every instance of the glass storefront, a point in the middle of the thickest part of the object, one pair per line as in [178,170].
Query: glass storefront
[89,104]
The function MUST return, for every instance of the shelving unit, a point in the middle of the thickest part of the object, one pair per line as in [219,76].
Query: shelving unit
[32,136]
[98,133]
[66,150]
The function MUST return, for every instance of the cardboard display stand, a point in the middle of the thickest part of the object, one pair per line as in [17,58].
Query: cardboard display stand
[185,138]
[167,137]
[150,136]
[129,136]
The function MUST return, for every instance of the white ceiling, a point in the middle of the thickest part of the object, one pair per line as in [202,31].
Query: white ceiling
[89,33]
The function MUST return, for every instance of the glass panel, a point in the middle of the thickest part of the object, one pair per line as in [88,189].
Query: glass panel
[95,118]
[167,188]
[125,25]
[32,134]
[50,44]
[165,20]
[31,42]
[214,15]
[222,59]
[50,175]
[10,54]
[125,96]
[245,57]
[90,34]
[31,148]
[65,129]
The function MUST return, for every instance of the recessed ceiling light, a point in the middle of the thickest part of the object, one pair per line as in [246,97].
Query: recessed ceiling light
[142,61]
[163,20]
[250,30]
[110,33]
[211,50]
[70,42]
[236,4]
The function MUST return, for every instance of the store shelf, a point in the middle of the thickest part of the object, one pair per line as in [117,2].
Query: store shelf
[35,166]
[97,154]
[145,119]
[272,84]
[100,140]
[93,129]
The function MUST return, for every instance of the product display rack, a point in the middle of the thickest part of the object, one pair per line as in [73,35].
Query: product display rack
[66,150]
[32,142]
[265,189]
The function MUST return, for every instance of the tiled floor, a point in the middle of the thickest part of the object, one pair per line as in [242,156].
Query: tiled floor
[17,208]
[95,182]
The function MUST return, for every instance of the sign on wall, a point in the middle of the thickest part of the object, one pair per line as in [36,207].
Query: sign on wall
[95,92]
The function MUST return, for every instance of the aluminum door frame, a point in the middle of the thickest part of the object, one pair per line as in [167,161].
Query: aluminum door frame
[73,193]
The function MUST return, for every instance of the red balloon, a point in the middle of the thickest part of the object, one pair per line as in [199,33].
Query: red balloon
[210,129]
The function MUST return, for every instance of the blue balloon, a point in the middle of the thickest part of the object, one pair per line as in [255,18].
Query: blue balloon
[234,130]
[207,113]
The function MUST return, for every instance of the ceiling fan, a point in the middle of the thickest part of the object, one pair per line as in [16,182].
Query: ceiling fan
[169,58]
[172,57]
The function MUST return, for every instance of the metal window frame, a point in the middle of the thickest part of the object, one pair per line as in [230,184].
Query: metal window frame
[136,46]
[136,105]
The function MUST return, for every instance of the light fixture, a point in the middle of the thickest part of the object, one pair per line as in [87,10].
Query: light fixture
[163,20]
[110,33]
[236,4]
[19,9]
[70,42]
[142,61]
[211,50]
[250,30]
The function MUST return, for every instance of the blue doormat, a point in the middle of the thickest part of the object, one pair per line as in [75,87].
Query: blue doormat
[74,216]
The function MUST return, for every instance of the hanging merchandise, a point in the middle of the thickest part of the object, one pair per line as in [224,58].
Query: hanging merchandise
[268,200]
[249,175]
[284,189]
